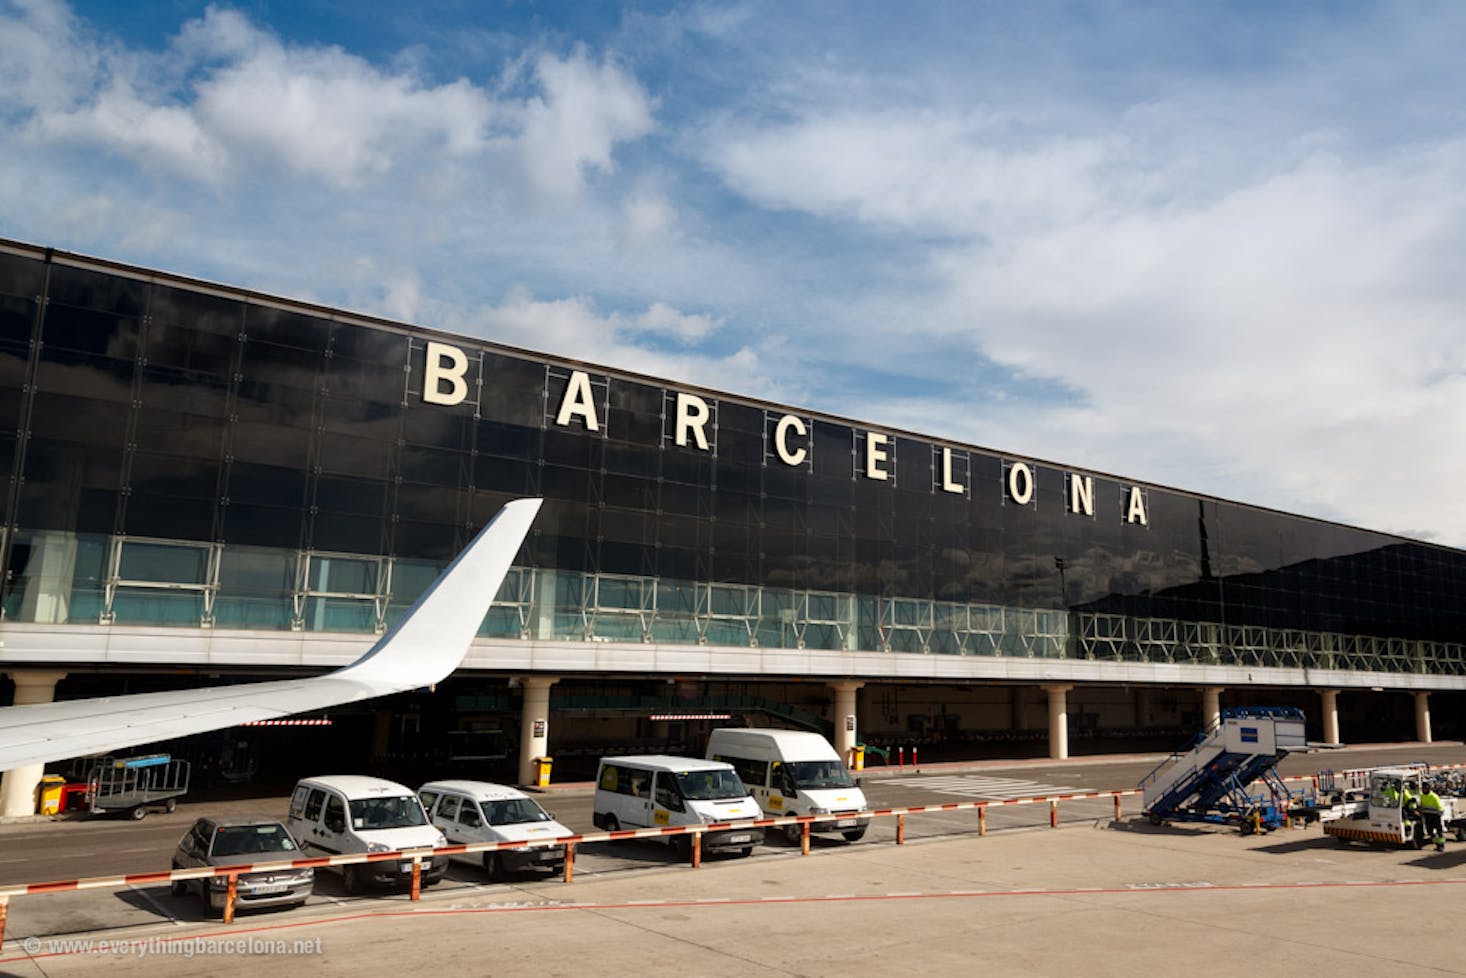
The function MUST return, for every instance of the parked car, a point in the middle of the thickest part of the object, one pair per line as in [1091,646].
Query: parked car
[243,840]
[477,811]
[348,814]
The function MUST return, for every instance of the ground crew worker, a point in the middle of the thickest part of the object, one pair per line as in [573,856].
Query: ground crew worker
[1432,813]
[1390,793]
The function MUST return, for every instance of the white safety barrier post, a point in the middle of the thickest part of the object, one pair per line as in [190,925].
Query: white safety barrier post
[569,861]
[4,905]
[900,830]
[804,839]
[1054,814]
[696,849]
[982,820]
[416,878]
[1117,808]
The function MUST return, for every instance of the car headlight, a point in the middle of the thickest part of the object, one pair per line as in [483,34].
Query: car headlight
[442,841]
[819,811]
[219,883]
[378,847]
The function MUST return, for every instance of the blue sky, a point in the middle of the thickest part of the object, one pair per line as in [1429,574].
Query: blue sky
[1215,246]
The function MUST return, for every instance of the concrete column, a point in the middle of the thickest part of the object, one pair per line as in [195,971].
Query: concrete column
[1016,713]
[1058,720]
[1211,705]
[1330,708]
[846,725]
[1142,706]
[1422,717]
[542,625]
[48,576]
[534,724]
[18,786]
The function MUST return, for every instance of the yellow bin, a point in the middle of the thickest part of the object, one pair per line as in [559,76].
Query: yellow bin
[50,791]
[857,757]
[542,771]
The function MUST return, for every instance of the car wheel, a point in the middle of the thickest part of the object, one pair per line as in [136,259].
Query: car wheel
[351,880]
[494,866]
[682,845]
[746,851]
[854,835]
[170,805]
[794,834]
[612,825]
[139,813]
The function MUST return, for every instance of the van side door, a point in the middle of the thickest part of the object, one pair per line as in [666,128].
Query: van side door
[334,831]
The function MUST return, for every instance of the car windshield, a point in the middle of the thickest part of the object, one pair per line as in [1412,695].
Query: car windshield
[514,811]
[819,774]
[248,840]
[710,785]
[399,812]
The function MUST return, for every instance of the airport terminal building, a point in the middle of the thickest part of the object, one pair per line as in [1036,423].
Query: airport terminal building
[207,484]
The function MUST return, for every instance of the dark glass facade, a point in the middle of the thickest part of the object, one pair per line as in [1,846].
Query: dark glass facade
[195,456]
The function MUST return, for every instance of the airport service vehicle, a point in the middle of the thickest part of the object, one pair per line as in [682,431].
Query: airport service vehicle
[658,790]
[236,841]
[1369,805]
[1228,773]
[477,811]
[793,772]
[136,785]
[340,814]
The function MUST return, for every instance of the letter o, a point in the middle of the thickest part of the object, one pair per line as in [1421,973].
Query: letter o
[1020,483]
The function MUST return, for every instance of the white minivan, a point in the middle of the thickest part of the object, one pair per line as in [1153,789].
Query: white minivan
[793,772]
[340,814]
[477,811]
[656,789]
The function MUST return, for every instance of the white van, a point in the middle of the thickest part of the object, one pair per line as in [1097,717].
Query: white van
[793,772]
[477,811]
[655,789]
[341,814]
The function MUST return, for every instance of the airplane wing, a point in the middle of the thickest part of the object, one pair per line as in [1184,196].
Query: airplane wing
[420,650]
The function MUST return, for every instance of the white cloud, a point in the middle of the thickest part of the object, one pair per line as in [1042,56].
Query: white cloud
[227,99]
[584,111]
[919,171]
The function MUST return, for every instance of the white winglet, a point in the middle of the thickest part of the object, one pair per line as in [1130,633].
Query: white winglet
[422,649]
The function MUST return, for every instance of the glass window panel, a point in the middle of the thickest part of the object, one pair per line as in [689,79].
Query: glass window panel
[97,333]
[169,516]
[343,575]
[263,526]
[513,391]
[349,534]
[162,562]
[21,276]
[192,350]
[154,607]
[91,289]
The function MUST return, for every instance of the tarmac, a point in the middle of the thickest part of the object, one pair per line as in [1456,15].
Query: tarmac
[1117,899]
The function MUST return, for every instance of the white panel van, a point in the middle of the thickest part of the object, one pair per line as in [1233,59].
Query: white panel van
[793,772]
[655,790]
[477,811]
[340,814]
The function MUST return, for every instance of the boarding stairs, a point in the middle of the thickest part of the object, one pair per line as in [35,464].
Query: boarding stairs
[1209,780]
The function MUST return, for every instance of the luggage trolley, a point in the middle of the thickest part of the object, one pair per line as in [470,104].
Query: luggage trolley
[136,784]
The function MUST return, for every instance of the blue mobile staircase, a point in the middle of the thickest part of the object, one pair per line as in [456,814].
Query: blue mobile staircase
[1208,780]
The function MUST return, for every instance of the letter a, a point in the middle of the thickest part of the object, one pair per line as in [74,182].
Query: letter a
[578,400]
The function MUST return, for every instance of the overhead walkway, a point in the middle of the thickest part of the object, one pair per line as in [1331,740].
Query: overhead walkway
[1208,781]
